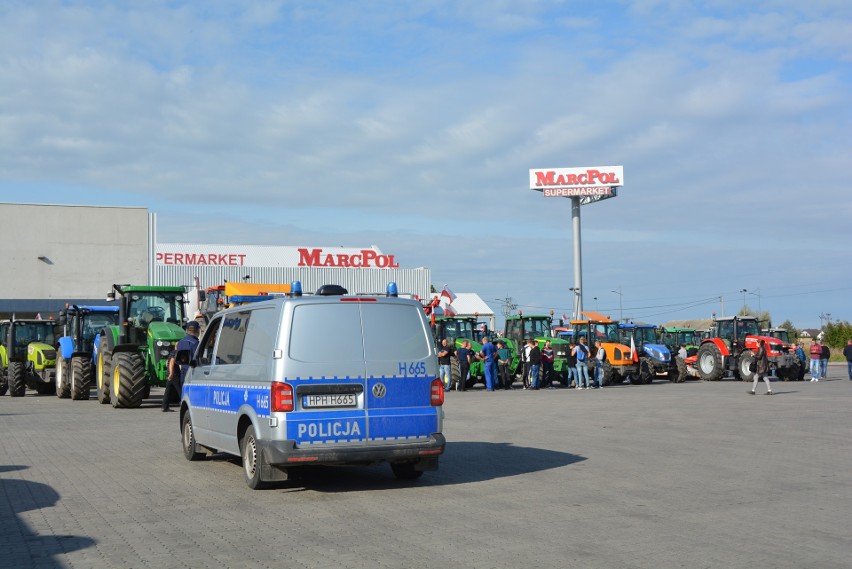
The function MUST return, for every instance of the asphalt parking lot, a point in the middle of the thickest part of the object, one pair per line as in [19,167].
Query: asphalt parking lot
[661,475]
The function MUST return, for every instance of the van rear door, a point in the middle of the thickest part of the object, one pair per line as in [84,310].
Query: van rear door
[325,367]
[400,366]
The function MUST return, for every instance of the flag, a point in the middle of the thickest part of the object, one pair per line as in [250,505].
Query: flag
[448,293]
[564,317]
[633,354]
[448,310]
[38,316]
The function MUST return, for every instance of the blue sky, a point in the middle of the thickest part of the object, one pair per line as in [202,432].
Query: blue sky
[412,126]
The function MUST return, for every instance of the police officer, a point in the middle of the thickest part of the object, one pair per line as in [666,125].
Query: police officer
[179,363]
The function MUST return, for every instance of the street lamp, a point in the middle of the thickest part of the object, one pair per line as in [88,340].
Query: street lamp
[757,294]
[744,291]
[596,304]
[620,295]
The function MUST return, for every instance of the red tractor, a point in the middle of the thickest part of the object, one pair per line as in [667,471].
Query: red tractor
[731,347]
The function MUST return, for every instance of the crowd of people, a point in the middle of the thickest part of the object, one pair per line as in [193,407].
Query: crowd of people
[585,365]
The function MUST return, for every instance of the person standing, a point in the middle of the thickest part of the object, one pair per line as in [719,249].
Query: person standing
[445,358]
[582,354]
[525,358]
[535,363]
[504,363]
[681,353]
[847,351]
[803,360]
[823,361]
[572,365]
[762,368]
[816,353]
[489,357]
[600,358]
[463,355]
[179,363]
[547,366]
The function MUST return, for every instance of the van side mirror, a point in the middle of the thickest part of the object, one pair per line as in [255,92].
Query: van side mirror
[182,357]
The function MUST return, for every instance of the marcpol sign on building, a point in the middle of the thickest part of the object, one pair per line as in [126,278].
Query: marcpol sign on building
[358,269]
[576,182]
[272,256]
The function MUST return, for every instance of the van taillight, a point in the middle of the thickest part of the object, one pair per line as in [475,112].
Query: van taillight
[282,397]
[437,392]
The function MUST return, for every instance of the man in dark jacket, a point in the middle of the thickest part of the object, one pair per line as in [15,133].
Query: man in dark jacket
[823,361]
[847,351]
[535,363]
[179,364]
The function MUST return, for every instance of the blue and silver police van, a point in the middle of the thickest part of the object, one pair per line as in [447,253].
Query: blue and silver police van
[327,379]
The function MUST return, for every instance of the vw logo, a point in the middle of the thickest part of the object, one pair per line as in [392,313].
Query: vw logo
[379,390]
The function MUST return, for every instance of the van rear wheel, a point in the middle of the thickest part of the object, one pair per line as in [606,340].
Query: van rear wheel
[252,460]
[405,471]
[190,446]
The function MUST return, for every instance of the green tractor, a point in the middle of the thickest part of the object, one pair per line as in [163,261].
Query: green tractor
[674,338]
[133,355]
[519,328]
[457,329]
[27,356]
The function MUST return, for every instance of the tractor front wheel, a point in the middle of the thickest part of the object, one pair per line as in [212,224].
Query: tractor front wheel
[17,379]
[63,389]
[607,375]
[710,363]
[646,372]
[128,380]
[81,378]
[743,365]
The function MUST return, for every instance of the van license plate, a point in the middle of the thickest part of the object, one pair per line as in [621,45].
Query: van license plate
[330,400]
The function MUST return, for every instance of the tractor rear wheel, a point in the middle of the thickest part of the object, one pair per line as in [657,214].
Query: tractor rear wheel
[17,379]
[63,389]
[710,363]
[607,375]
[128,380]
[81,378]
[103,374]
[743,364]
[455,374]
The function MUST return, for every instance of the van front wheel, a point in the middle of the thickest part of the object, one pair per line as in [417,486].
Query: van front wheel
[252,460]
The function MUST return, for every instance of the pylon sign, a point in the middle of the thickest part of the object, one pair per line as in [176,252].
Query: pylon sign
[592,184]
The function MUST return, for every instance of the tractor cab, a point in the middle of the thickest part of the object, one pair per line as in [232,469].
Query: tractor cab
[142,306]
[779,333]
[28,356]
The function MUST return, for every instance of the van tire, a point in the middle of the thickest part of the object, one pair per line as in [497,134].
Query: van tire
[405,471]
[63,377]
[190,446]
[252,460]
[81,378]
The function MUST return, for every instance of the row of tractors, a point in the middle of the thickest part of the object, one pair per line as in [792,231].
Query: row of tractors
[123,350]
[635,353]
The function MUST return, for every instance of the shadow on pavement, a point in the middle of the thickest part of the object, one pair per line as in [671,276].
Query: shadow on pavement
[25,548]
[461,463]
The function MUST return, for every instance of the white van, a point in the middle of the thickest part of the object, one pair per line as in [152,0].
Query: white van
[329,379]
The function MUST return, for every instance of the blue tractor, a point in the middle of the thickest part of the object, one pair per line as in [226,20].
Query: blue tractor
[77,349]
[653,357]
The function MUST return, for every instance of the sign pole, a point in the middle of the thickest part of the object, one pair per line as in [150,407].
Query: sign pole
[578,255]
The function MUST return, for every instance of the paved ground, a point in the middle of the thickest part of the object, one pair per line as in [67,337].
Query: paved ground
[657,476]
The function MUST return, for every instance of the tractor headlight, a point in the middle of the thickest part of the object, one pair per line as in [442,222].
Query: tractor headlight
[164,353]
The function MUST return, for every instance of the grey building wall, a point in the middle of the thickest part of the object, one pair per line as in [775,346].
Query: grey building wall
[59,252]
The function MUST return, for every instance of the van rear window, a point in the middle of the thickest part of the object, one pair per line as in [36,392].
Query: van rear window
[342,332]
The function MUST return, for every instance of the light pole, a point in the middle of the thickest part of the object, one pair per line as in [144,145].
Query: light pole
[575,303]
[757,294]
[744,291]
[620,311]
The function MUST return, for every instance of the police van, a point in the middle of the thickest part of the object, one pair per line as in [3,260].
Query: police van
[328,379]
